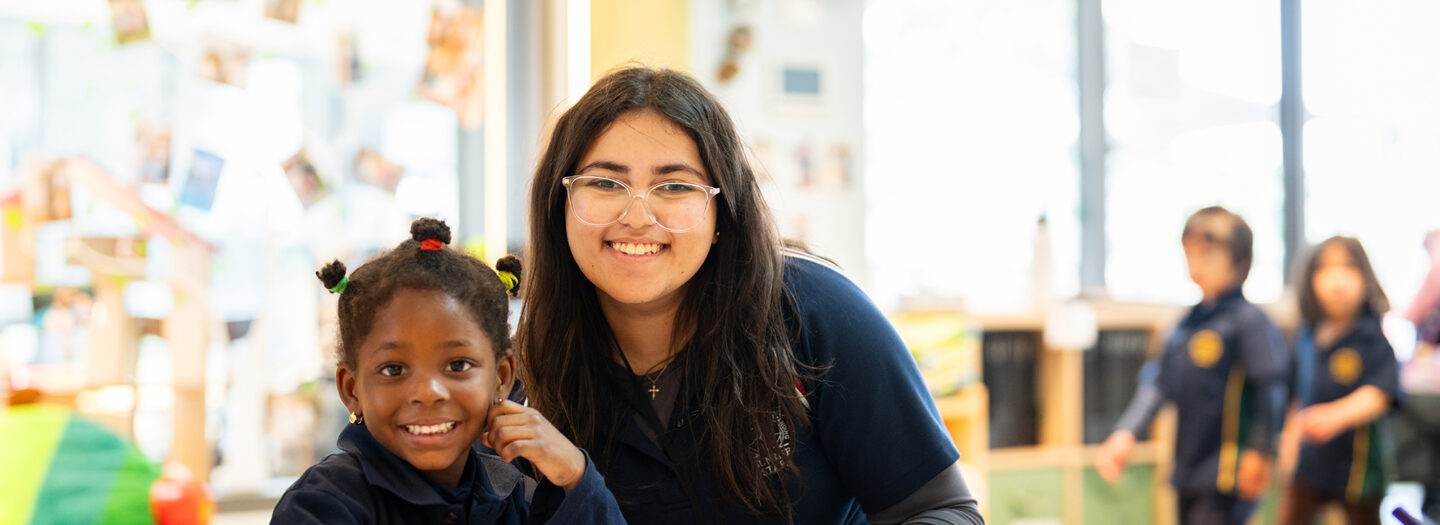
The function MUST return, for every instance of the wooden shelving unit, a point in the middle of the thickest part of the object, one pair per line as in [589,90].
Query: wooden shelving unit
[1055,476]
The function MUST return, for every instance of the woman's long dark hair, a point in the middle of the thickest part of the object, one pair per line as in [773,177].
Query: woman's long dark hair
[732,322]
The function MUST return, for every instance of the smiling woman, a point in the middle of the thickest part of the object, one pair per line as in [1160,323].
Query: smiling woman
[718,376]
[623,253]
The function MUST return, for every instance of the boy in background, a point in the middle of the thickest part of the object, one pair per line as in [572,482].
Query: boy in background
[1225,368]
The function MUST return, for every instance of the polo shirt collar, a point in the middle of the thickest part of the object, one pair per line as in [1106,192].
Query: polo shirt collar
[389,472]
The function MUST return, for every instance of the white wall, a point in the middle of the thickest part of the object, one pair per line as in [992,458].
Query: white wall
[823,34]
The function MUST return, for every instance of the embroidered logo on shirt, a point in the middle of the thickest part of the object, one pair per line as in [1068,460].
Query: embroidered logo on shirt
[782,438]
[1345,366]
[1206,348]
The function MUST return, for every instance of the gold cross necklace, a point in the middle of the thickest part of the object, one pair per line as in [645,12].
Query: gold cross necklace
[655,380]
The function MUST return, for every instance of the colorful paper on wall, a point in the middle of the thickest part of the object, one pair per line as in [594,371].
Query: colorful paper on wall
[454,71]
[128,17]
[204,178]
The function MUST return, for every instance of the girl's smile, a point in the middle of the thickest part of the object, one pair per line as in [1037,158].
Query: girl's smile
[425,378]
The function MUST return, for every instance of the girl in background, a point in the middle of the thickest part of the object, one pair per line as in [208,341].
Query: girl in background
[1346,381]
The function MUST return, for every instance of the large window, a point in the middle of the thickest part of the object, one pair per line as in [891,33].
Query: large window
[1192,121]
[971,124]
[971,127]
[1372,144]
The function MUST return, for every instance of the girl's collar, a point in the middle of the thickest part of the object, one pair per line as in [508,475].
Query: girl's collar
[383,469]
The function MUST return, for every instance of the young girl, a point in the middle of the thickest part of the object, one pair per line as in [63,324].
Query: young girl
[424,369]
[1345,381]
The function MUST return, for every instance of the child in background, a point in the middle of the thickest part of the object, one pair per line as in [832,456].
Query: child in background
[424,368]
[1225,369]
[1417,425]
[1346,379]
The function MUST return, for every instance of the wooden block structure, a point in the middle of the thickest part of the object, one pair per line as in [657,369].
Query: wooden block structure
[114,335]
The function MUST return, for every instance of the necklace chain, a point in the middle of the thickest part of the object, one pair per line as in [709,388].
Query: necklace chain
[655,379]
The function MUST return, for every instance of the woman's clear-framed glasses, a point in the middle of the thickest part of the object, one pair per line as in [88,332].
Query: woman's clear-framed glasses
[676,206]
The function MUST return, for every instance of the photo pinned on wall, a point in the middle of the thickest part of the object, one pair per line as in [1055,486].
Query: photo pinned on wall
[152,146]
[801,81]
[837,170]
[347,59]
[282,10]
[802,15]
[804,159]
[202,180]
[225,63]
[129,20]
[799,89]
[454,70]
[739,41]
[378,171]
[828,168]
[303,178]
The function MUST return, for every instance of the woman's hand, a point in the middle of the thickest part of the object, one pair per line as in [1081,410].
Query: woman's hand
[1114,454]
[518,431]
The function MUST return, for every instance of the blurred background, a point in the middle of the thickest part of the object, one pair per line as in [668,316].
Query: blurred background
[1006,178]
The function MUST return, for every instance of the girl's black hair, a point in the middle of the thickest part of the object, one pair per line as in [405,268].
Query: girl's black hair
[415,265]
[1373,298]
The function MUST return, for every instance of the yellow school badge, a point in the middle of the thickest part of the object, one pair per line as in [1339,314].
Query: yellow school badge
[1345,366]
[1206,348]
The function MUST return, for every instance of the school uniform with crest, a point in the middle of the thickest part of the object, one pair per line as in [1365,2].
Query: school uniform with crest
[1355,464]
[874,442]
[1225,368]
[366,483]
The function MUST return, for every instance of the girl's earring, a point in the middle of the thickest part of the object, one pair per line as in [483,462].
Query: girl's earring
[357,419]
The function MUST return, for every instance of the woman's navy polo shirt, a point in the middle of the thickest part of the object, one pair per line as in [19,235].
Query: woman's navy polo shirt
[366,483]
[875,435]
[1354,464]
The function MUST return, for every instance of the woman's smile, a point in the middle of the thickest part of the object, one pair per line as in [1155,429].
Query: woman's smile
[636,249]
[633,260]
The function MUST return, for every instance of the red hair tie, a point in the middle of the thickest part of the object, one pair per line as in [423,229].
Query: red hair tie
[431,245]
